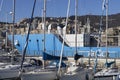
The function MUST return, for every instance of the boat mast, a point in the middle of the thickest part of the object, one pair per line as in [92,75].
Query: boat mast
[106,5]
[6,31]
[68,9]
[27,38]
[42,15]
[76,12]
[1,5]
[44,22]
[13,21]
[99,37]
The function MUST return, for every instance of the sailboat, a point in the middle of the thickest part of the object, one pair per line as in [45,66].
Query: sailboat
[11,70]
[48,72]
[73,67]
[108,72]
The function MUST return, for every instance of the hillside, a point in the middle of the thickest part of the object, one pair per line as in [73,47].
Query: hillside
[114,20]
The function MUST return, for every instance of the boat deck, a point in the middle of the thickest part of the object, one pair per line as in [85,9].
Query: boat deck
[84,74]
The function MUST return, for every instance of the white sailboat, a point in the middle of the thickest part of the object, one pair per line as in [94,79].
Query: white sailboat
[108,72]
[12,71]
[74,68]
[49,72]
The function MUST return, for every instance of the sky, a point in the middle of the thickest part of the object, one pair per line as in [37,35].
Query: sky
[55,8]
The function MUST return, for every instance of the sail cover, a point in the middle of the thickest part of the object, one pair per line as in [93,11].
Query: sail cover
[76,57]
[47,56]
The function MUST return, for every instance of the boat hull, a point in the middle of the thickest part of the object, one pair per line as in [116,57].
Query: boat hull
[7,74]
[51,75]
[110,74]
[14,71]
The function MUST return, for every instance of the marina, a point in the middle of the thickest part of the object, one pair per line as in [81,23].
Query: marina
[85,71]
[59,48]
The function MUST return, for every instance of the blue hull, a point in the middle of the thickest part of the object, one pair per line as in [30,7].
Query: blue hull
[53,46]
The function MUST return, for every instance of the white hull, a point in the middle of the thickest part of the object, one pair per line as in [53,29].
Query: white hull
[39,75]
[107,73]
[3,64]
[5,74]
[13,71]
